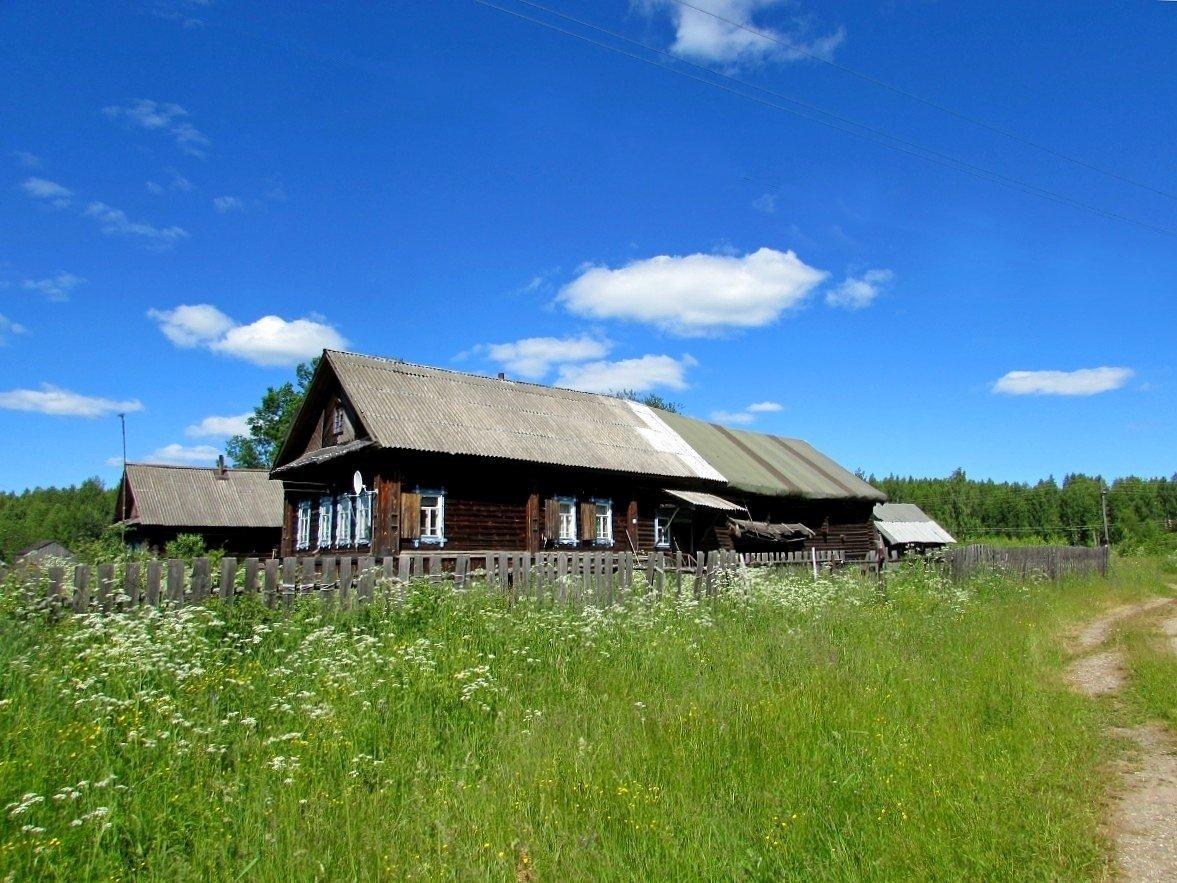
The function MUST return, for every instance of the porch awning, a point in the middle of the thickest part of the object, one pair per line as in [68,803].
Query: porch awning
[768,531]
[322,455]
[705,501]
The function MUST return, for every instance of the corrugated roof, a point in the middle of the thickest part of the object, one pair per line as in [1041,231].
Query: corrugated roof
[768,464]
[707,501]
[187,496]
[413,407]
[900,512]
[913,532]
[324,454]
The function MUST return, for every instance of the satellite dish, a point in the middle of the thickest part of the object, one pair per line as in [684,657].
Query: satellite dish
[357,482]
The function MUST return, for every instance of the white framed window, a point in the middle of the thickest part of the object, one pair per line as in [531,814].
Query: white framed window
[603,522]
[364,518]
[337,420]
[302,533]
[343,514]
[326,509]
[567,512]
[662,528]
[432,517]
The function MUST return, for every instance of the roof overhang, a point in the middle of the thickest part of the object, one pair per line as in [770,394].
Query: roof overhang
[323,455]
[704,501]
[767,531]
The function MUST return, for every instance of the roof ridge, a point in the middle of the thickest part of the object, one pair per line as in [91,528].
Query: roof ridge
[474,376]
[183,466]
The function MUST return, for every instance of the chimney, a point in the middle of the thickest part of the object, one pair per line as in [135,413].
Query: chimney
[502,375]
[222,470]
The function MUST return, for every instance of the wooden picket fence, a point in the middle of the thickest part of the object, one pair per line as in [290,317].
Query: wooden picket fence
[1052,562]
[598,578]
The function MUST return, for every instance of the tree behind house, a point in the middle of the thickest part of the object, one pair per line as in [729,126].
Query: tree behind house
[270,422]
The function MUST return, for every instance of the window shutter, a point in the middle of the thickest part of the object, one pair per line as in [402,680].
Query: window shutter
[552,519]
[410,516]
[588,521]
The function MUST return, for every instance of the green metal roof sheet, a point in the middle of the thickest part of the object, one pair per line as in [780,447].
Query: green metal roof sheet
[769,464]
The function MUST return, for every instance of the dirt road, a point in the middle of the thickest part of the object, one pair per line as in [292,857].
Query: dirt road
[1144,821]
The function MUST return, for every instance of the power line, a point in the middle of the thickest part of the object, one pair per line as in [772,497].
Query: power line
[841,123]
[935,105]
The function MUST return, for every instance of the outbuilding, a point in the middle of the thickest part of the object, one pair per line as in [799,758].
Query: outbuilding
[905,527]
[236,510]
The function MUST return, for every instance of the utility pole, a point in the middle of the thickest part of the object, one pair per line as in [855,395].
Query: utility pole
[123,488]
[1103,505]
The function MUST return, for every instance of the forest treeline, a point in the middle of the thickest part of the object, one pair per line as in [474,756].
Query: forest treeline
[76,516]
[1141,512]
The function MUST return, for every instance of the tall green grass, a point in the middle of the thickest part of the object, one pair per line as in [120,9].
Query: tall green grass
[792,730]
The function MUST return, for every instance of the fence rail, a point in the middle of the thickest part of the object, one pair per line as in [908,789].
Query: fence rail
[1053,562]
[576,577]
[572,577]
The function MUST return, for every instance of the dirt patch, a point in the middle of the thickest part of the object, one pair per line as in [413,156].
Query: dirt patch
[1145,821]
[1169,630]
[1144,824]
[1099,630]
[1098,675]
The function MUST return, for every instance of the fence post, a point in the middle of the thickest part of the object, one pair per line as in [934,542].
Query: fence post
[154,581]
[176,581]
[131,584]
[228,584]
[81,587]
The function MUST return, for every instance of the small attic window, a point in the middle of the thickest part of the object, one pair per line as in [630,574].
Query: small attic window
[337,419]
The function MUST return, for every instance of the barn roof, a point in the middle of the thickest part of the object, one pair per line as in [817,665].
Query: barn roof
[908,523]
[189,496]
[757,463]
[414,407]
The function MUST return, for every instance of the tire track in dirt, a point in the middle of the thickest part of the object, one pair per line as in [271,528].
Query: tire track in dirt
[1144,821]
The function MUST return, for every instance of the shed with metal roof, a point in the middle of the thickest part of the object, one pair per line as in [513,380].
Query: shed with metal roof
[907,525]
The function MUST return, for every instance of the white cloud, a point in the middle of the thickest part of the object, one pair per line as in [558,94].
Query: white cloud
[8,328]
[640,375]
[219,427]
[190,325]
[165,117]
[741,418]
[534,357]
[60,402]
[57,195]
[183,455]
[273,341]
[857,292]
[114,222]
[228,204]
[56,287]
[765,203]
[697,294]
[748,415]
[728,37]
[28,160]
[176,182]
[1083,382]
[270,341]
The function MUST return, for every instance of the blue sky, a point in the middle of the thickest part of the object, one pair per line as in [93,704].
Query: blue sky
[194,195]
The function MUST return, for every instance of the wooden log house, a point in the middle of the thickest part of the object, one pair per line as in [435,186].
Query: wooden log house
[386,456]
[236,510]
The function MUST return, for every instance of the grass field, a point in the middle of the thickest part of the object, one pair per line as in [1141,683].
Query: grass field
[799,730]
